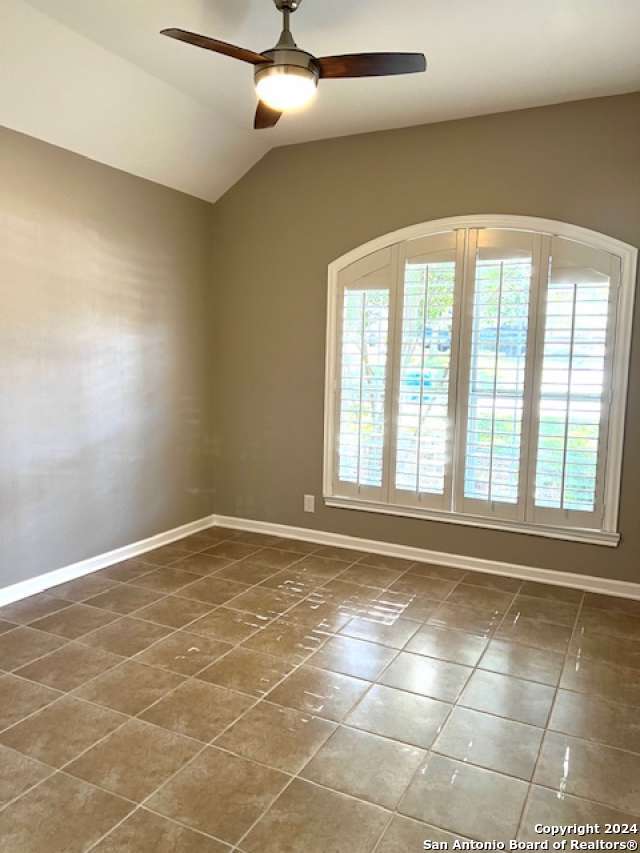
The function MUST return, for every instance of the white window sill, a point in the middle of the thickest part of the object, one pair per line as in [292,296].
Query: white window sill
[592,537]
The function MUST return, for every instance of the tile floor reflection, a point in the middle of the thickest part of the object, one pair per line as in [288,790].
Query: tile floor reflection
[241,692]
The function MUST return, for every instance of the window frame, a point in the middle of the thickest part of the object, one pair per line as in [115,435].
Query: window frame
[544,230]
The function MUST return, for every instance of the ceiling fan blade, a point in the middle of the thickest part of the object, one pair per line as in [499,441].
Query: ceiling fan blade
[265,117]
[371,65]
[215,45]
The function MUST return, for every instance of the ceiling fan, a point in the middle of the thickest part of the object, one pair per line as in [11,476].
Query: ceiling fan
[286,77]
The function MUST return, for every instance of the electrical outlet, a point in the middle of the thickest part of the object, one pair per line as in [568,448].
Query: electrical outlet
[309,503]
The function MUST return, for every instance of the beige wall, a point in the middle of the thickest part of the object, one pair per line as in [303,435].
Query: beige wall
[104,384]
[302,206]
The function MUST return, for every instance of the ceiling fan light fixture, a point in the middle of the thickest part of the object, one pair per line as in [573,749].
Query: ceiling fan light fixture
[286,87]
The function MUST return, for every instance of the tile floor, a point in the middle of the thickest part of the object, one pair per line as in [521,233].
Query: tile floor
[234,691]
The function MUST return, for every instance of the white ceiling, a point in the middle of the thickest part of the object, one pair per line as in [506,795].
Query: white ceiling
[95,77]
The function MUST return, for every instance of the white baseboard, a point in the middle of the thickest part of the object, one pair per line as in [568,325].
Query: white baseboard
[474,564]
[20,590]
[588,583]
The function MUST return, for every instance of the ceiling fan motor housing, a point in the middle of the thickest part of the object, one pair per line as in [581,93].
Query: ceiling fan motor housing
[287,5]
[292,60]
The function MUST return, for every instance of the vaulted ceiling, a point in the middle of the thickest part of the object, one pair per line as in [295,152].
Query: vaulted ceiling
[97,78]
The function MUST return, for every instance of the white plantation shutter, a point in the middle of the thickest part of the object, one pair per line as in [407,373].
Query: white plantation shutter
[498,317]
[425,375]
[364,323]
[477,373]
[574,384]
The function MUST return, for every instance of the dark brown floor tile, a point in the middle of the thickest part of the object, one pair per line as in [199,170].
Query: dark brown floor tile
[184,653]
[592,718]
[174,612]
[514,698]
[29,609]
[293,582]
[166,554]
[274,558]
[438,679]
[396,634]
[212,590]
[130,687]
[249,537]
[522,661]
[322,568]
[19,698]
[61,815]
[124,599]
[533,632]
[448,645]
[319,615]
[202,564]
[166,579]
[240,789]
[347,594]
[602,680]
[22,645]
[69,667]
[369,576]
[405,834]
[199,541]
[377,769]
[550,808]
[430,570]
[416,585]
[594,622]
[403,716]
[6,626]
[233,550]
[590,770]
[489,581]
[468,800]
[319,821]
[80,589]
[198,710]
[74,621]
[552,592]
[145,832]
[492,742]
[279,737]
[18,773]
[480,622]
[543,610]
[602,648]
[246,572]
[127,570]
[353,657]
[316,691]
[298,546]
[382,561]
[61,731]
[284,639]
[264,603]
[630,606]
[247,671]
[135,760]
[127,636]
[232,626]
[490,601]
[347,555]
[392,604]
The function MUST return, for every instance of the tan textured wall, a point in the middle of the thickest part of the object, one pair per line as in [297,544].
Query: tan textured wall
[104,385]
[302,206]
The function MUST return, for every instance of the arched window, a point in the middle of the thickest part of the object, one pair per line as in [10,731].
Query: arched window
[477,373]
